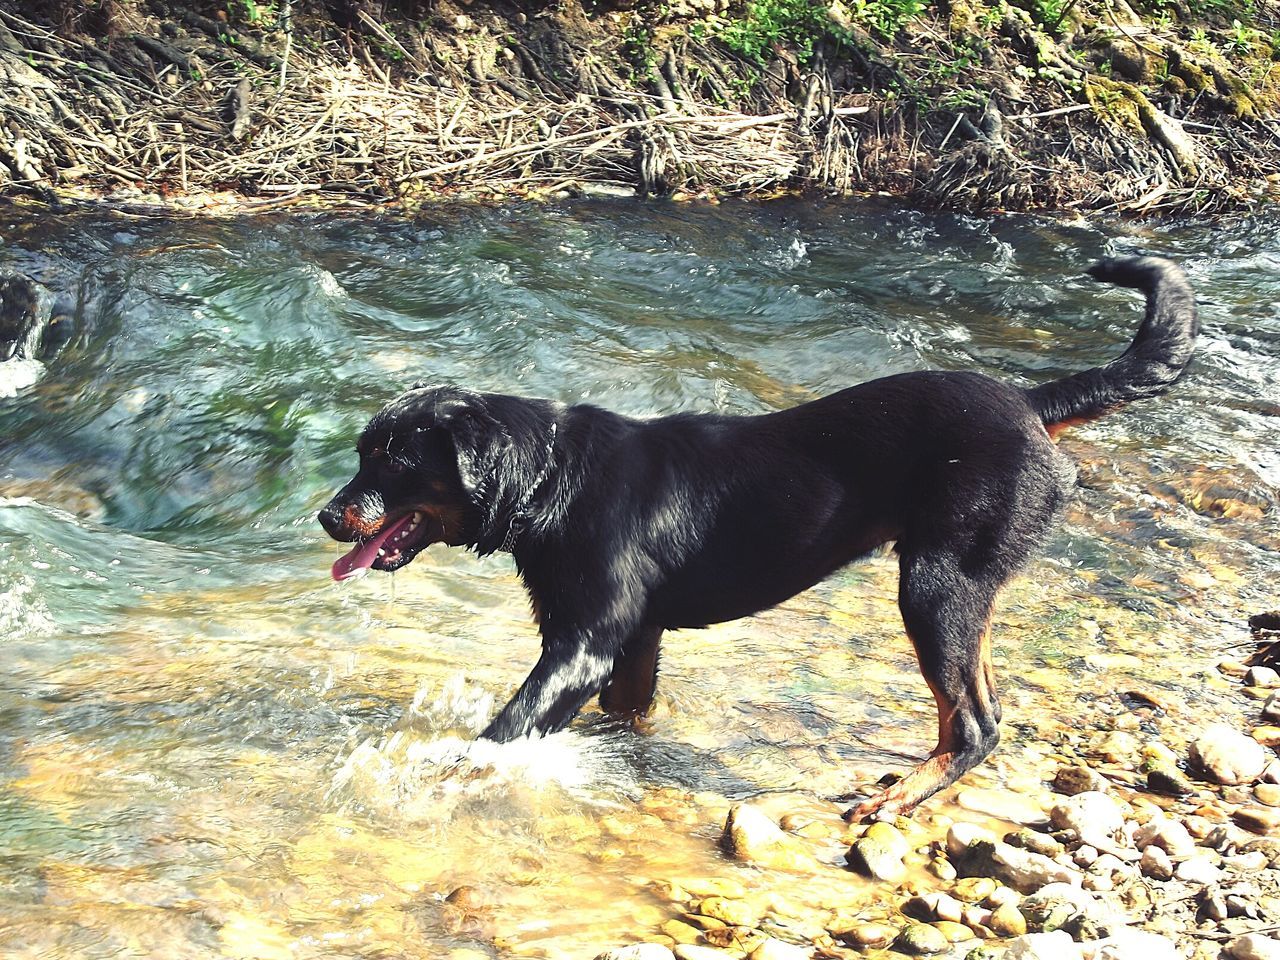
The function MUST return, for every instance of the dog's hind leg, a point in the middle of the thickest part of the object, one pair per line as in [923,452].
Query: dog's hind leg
[947,611]
[635,674]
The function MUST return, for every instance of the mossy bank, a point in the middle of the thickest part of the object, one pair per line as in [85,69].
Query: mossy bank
[1090,104]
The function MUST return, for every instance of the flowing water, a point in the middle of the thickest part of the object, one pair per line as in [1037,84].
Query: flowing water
[208,749]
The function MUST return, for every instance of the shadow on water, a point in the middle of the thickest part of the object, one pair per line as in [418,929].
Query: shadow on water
[210,751]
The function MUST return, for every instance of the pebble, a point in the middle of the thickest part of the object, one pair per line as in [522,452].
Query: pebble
[1233,668]
[1262,677]
[710,887]
[1020,869]
[751,836]
[1079,779]
[1268,793]
[1117,747]
[879,855]
[1267,736]
[1002,805]
[1092,814]
[1169,780]
[693,951]
[871,935]
[955,932]
[1228,756]
[1155,863]
[1168,834]
[920,939]
[948,908]
[942,869]
[1044,946]
[974,889]
[1254,946]
[736,913]
[1263,820]
[1271,709]
[1002,895]
[775,949]
[1085,856]
[1008,921]
[1040,843]
[1198,870]
[1127,943]
[961,836]
[681,932]
[638,951]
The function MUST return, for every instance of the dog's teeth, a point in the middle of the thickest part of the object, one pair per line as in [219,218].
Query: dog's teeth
[382,553]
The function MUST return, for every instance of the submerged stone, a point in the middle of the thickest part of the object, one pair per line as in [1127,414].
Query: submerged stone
[921,939]
[751,836]
[638,951]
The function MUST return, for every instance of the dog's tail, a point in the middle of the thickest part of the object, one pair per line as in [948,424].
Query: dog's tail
[1154,361]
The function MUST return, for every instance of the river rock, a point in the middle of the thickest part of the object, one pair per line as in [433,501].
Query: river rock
[974,889]
[682,932]
[1267,793]
[1262,677]
[1169,780]
[775,949]
[878,853]
[1044,946]
[870,935]
[1167,834]
[751,836]
[1007,921]
[1155,863]
[954,931]
[736,913]
[694,951]
[960,836]
[1271,709]
[700,887]
[638,951]
[1117,747]
[1254,946]
[1002,805]
[1127,943]
[1078,779]
[1020,869]
[1092,814]
[1227,756]
[1268,736]
[1263,820]
[1198,870]
[920,939]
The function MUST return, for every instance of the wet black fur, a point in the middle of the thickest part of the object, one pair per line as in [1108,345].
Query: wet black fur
[622,528]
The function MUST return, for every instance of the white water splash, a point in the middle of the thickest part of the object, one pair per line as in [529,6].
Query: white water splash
[18,374]
[432,762]
[22,613]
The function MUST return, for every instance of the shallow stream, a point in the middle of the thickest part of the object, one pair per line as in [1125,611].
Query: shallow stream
[208,749]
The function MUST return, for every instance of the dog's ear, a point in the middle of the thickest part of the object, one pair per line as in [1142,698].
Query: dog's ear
[479,442]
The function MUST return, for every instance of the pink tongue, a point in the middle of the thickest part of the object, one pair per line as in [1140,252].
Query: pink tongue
[362,555]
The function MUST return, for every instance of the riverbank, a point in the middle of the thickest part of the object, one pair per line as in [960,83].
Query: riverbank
[964,104]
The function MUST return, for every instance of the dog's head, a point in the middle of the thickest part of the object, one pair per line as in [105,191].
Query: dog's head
[437,465]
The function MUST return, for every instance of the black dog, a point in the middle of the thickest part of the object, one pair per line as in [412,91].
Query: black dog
[624,528]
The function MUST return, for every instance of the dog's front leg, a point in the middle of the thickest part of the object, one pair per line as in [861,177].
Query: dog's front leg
[569,672]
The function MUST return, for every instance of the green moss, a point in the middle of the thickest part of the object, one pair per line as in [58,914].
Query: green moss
[1115,103]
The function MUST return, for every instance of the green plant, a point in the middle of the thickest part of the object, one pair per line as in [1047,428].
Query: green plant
[1241,39]
[802,24]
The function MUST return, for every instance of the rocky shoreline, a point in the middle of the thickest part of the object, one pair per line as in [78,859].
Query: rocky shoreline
[1137,848]
[970,105]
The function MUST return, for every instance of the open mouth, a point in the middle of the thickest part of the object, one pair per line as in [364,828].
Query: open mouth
[389,549]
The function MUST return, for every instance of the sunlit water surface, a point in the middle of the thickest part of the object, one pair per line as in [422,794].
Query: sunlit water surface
[207,749]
